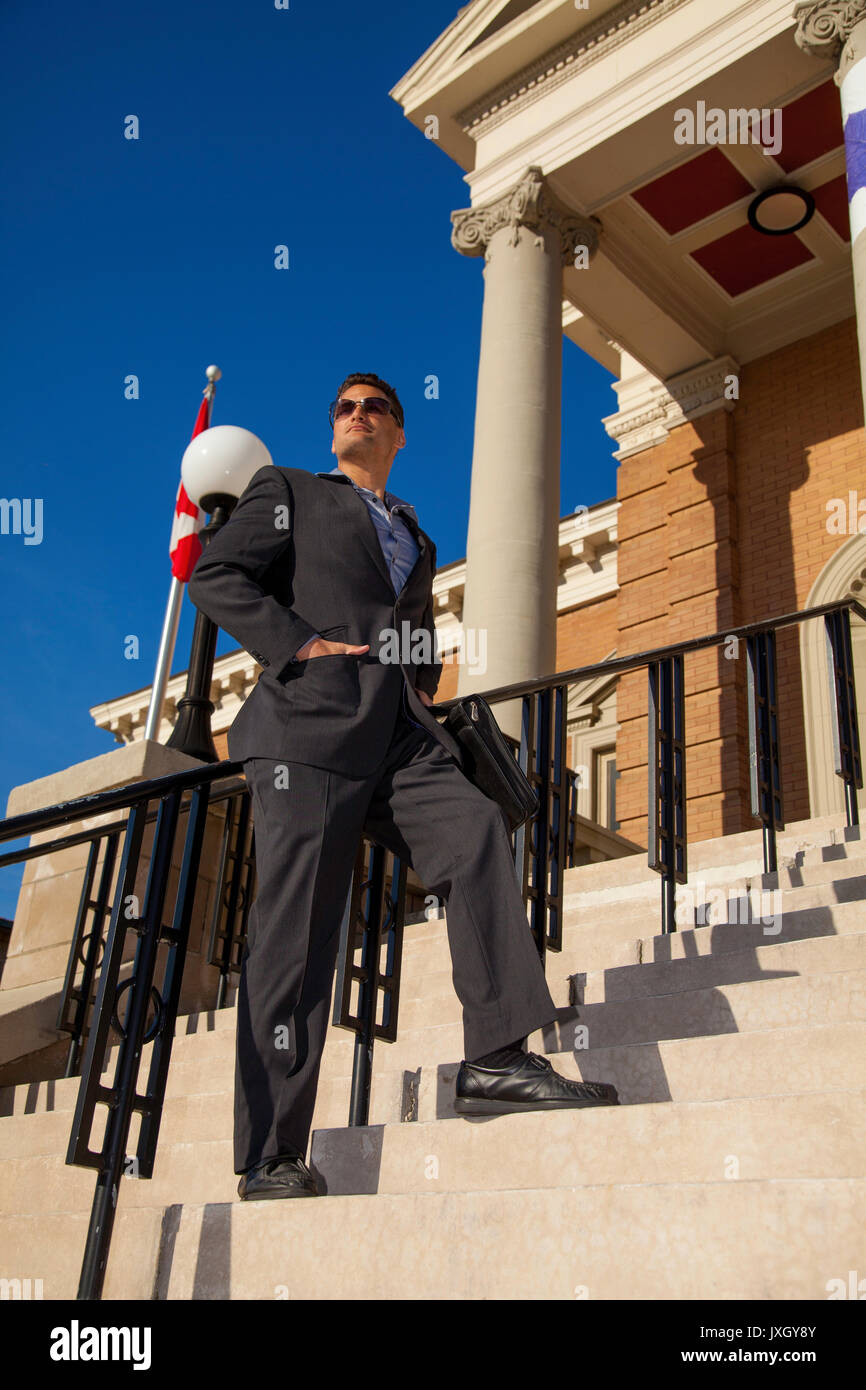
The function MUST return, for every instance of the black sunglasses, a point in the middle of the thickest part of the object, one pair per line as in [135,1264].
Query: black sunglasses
[371,405]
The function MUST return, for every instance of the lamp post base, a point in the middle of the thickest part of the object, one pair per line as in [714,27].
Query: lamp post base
[192,732]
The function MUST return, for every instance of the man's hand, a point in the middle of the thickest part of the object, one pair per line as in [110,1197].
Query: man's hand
[317,646]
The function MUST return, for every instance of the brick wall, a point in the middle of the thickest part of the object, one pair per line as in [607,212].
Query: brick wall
[723,524]
[585,635]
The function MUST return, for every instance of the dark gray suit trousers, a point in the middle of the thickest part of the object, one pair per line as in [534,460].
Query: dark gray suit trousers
[418,804]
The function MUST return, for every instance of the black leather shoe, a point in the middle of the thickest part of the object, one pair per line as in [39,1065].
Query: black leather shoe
[530,1084]
[287,1175]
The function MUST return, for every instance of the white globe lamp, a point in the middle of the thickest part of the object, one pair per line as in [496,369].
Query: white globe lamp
[216,468]
[219,463]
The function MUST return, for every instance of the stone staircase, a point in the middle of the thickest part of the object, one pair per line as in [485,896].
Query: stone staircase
[733,1168]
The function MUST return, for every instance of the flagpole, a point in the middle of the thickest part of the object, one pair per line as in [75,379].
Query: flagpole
[171,621]
[170,624]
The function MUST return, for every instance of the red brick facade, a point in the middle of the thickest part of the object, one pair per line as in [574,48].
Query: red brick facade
[723,524]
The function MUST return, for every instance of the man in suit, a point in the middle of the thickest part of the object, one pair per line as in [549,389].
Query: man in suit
[312,575]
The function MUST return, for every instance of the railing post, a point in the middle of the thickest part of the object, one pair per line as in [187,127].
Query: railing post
[846,735]
[558,787]
[765,757]
[526,761]
[234,891]
[376,927]
[572,818]
[666,760]
[539,827]
[362,1062]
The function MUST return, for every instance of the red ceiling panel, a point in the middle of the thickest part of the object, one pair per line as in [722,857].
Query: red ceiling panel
[831,200]
[693,190]
[745,258]
[811,126]
[709,182]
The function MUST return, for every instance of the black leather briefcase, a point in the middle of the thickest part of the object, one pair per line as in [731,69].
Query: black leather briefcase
[488,761]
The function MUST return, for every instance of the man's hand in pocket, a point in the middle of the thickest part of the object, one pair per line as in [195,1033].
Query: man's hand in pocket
[318,646]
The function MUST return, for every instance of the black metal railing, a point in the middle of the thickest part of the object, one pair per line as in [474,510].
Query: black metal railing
[88,933]
[368,985]
[369,976]
[235,890]
[666,810]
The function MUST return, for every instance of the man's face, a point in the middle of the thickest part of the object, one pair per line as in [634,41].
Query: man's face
[364,437]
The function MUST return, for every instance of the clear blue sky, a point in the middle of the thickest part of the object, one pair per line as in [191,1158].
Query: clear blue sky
[155,257]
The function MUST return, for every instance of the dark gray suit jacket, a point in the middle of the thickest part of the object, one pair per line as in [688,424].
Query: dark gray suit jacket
[299,556]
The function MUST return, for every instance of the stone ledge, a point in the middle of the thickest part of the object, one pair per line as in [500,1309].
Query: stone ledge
[135,762]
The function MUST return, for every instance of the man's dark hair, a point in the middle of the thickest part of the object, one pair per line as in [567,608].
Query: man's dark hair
[370,379]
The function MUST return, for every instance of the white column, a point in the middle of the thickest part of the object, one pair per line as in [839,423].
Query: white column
[512,562]
[836,29]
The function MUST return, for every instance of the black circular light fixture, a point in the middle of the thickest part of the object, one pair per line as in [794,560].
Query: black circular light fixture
[781,210]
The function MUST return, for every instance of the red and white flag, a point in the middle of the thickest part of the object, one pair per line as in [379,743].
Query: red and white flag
[185,546]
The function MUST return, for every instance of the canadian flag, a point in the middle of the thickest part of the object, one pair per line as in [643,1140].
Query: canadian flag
[185,546]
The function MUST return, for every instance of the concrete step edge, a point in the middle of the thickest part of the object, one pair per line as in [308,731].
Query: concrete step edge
[719,1184]
[395,1075]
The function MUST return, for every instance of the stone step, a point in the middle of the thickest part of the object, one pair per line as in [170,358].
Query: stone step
[630,942]
[807,842]
[772,1137]
[767,1240]
[791,1136]
[704,901]
[806,956]
[590,947]
[731,1066]
[190,1120]
[753,1137]
[693,959]
[203,1062]
[788,879]
[832,881]
[758,1006]
[735,1008]
[842,878]
[39,1247]
[810,956]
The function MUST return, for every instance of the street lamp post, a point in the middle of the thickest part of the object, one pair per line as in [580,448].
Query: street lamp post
[216,468]
[192,732]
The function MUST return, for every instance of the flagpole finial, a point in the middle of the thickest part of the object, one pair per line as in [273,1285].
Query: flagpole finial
[213,373]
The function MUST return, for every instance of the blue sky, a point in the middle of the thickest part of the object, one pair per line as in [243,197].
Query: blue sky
[155,257]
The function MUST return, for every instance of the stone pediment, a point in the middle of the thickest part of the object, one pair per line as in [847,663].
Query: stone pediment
[484,44]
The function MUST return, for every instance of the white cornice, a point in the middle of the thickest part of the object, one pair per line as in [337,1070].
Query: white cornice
[650,409]
[457,51]
[561,62]
[587,556]
[424,76]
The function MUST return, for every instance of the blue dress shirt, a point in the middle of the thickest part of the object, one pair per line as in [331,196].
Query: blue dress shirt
[399,546]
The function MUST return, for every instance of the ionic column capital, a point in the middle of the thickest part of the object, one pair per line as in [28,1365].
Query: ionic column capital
[530,205]
[824,26]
